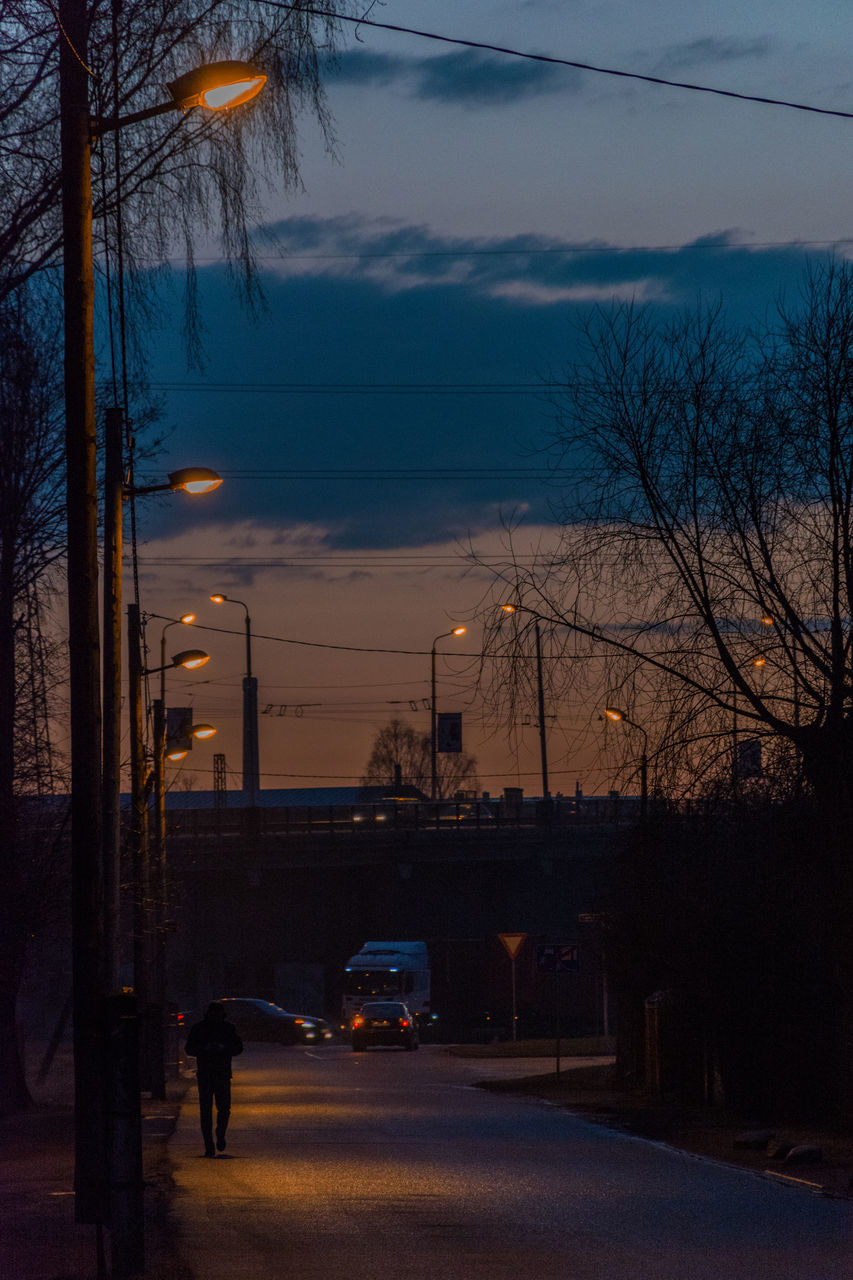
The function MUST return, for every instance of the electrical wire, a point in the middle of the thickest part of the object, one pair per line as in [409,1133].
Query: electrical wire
[564,62]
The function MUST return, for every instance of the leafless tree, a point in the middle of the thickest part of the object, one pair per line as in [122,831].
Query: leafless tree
[32,512]
[161,186]
[178,178]
[398,746]
[704,564]
[702,576]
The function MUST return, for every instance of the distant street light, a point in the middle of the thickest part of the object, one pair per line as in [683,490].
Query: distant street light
[158,848]
[179,752]
[433,742]
[144,978]
[191,480]
[159,885]
[613,714]
[251,755]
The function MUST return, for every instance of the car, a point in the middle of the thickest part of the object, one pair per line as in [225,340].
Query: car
[384,1022]
[262,1020]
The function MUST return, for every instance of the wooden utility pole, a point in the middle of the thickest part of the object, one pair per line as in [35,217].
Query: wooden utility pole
[88,969]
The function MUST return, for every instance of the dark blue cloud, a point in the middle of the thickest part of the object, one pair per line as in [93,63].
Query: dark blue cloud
[533,269]
[362,67]
[423,370]
[712,50]
[474,77]
[470,77]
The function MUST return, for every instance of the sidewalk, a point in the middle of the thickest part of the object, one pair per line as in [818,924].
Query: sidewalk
[39,1239]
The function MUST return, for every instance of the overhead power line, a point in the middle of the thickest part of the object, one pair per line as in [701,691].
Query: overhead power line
[365,388]
[566,62]
[387,473]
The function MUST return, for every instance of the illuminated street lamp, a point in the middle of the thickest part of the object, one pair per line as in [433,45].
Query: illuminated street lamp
[145,981]
[613,714]
[433,742]
[189,659]
[191,480]
[218,86]
[179,751]
[251,758]
[94,1201]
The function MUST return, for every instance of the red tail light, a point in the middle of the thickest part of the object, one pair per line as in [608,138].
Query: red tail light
[404,1022]
[358,1021]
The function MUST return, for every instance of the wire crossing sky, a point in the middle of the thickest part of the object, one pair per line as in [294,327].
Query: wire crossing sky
[565,62]
[390,409]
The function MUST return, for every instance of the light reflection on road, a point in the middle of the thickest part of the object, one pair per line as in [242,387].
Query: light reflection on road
[389,1162]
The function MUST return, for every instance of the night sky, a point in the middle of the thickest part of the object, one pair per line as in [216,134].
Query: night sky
[388,404]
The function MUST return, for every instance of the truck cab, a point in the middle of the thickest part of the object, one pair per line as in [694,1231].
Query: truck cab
[388,971]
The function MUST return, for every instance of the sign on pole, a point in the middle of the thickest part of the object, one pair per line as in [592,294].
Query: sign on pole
[448,731]
[558,957]
[513,942]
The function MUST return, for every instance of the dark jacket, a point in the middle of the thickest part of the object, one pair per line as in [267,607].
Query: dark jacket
[213,1042]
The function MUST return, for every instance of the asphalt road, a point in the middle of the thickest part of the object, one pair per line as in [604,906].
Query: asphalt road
[389,1163]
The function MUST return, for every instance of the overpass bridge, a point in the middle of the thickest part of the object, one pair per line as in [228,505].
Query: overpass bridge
[271,901]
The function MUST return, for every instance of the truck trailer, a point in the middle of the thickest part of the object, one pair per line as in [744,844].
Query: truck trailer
[388,971]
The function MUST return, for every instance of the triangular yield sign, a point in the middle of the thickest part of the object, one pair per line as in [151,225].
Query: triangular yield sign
[513,942]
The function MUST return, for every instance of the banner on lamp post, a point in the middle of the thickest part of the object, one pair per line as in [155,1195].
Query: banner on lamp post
[448,731]
[178,725]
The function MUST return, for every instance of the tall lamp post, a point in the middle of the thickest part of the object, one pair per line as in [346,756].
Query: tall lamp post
[251,765]
[216,87]
[433,719]
[159,842]
[158,855]
[613,714]
[191,480]
[540,695]
[143,925]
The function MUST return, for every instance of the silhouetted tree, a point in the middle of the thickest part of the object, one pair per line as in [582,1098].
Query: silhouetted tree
[32,513]
[180,177]
[704,567]
[398,746]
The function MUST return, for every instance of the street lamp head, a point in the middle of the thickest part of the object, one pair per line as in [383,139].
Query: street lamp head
[218,598]
[508,608]
[177,754]
[195,480]
[202,731]
[190,658]
[217,86]
[767,621]
[187,618]
[613,714]
[458,631]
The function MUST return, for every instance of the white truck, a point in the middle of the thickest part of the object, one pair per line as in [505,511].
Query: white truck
[388,971]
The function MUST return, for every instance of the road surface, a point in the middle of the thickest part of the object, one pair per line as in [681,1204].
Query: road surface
[390,1163]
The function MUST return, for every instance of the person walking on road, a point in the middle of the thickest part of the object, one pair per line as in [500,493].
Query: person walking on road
[213,1042]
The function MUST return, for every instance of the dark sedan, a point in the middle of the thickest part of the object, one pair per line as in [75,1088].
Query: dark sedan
[384,1022]
[262,1020]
